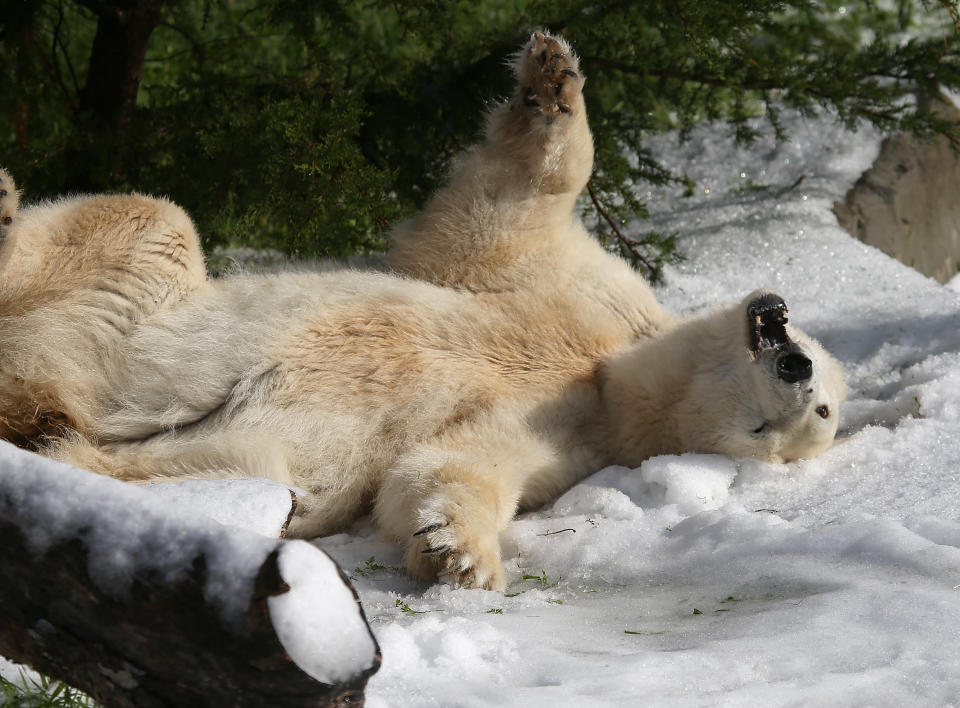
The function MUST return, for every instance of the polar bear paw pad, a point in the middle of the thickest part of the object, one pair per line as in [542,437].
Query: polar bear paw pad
[549,76]
[458,553]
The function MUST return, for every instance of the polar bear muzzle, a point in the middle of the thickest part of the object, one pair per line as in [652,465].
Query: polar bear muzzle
[793,366]
[767,325]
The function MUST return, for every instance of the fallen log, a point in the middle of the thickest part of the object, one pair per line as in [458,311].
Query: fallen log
[141,605]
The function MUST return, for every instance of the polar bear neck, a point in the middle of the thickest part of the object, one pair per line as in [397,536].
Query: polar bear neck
[647,388]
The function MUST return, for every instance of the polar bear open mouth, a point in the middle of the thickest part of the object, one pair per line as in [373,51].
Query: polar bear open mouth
[766,322]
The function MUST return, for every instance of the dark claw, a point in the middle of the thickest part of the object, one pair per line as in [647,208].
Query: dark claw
[428,529]
[437,549]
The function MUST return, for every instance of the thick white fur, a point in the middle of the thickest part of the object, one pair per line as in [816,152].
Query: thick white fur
[506,357]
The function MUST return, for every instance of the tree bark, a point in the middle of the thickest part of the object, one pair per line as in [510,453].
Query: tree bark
[160,644]
[116,59]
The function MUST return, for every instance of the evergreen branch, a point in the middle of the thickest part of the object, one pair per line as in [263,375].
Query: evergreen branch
[951,8]
[759,85]
[98,7]
[686,28]
[196,46]
[42,158]
[58,40]
[49,63]
[627,242]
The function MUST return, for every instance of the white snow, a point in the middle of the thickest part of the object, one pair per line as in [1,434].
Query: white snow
[258,505]
[317,620]
[698,579]
[125,530]
[954,283]
[20,675]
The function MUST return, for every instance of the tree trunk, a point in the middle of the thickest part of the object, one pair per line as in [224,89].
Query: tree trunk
[116,60]
[161,645]
[140,602]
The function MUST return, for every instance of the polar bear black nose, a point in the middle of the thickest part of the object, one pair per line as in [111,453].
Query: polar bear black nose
[794,367]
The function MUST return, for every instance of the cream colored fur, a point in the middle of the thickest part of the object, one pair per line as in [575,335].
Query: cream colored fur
[505,357]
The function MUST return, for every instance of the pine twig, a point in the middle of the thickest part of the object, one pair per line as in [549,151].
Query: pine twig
[952,11]
[552,533]
[686,28]
[629,243]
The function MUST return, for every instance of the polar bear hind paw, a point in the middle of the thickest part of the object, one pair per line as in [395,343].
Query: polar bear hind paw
[549,76]
[456,552]
[8,201]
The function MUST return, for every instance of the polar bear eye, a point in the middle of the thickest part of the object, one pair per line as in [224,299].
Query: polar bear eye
[823,412]
[761,429]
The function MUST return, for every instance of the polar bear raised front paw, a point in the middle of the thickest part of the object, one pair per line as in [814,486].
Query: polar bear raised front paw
[549,76]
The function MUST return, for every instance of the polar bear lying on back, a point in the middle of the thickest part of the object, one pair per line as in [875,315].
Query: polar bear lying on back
[509,357]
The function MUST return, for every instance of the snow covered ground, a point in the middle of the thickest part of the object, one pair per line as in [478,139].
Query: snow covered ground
[702,580]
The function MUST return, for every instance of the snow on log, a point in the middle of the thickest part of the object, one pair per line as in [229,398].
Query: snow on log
[141,603]
[254,504]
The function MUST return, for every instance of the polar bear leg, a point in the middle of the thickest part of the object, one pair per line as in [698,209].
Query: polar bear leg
[225,454]
[449,501]
[544,128]
[125,254]
[448,516]
[170,457]
[511,198]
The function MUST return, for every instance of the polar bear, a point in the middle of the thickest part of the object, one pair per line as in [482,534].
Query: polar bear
[502,356]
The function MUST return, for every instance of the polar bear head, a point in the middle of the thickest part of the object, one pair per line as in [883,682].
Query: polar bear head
[784,391]
[739,381]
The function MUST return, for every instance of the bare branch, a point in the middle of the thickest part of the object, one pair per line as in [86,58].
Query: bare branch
[626,241]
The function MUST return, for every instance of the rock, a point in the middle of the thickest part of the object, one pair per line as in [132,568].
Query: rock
[907,203]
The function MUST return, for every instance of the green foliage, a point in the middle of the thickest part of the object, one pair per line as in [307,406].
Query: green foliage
[42,694]
[371,567]
[312,127]
[545,583]
[406,609]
